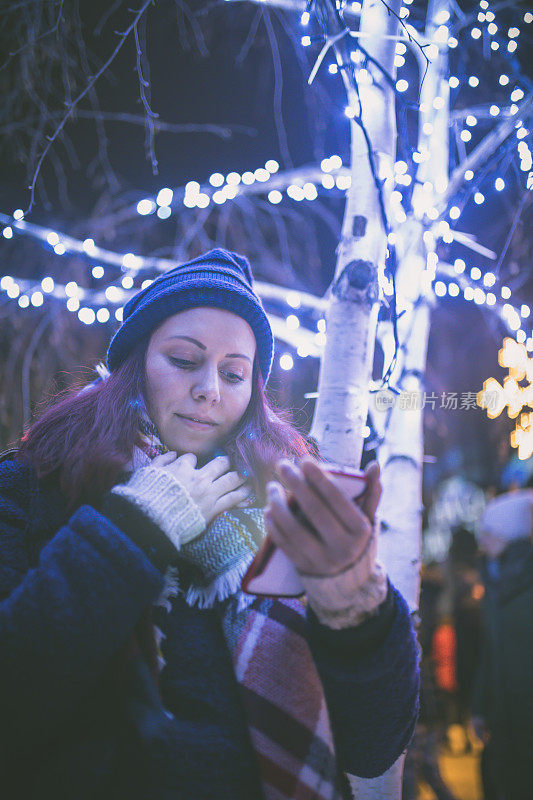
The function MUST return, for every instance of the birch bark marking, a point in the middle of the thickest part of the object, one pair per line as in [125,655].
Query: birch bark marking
[351,315]
[401,454]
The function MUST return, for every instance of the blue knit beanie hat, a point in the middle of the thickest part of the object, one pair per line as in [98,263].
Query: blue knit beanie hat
[218,278]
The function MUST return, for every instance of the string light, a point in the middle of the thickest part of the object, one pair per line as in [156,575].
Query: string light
[216,179]
[275,196]
[145,207]
[220,189]
[164,197]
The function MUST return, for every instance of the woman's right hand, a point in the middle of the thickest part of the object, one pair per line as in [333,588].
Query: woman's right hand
[213,487]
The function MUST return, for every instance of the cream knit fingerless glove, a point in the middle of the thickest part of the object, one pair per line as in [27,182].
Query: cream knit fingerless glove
[166,502]
[347,599]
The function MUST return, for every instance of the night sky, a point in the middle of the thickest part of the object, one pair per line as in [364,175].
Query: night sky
[214,63]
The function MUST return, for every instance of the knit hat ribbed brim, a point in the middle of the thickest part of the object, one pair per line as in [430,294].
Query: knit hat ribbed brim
[219,278]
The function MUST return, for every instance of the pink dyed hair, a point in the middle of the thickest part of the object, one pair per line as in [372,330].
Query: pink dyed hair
[84,443]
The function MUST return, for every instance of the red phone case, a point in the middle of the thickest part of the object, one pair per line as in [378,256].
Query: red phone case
[272,573]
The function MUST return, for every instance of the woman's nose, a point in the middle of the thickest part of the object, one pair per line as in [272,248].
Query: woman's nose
[207,385]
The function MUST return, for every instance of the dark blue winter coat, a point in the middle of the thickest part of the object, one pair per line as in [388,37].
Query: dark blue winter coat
[76,724]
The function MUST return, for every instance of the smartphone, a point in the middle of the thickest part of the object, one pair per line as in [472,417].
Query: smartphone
[272,573]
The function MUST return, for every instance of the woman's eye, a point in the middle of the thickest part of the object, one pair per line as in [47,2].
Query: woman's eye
[184,364]
[180,362]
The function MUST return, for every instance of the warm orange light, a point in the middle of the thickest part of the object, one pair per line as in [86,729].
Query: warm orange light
[494,397]
[478,591]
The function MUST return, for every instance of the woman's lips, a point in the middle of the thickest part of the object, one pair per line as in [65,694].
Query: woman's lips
[196,425]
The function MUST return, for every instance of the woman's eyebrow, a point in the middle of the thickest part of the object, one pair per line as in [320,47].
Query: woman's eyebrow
[203,347]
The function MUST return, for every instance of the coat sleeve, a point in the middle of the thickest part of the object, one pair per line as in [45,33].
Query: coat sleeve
[64,614]
[370,676]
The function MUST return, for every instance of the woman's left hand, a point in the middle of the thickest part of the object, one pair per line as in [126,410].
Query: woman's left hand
[250,500]
[339,530]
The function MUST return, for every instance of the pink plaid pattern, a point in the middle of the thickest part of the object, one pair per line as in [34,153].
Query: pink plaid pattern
[284,702]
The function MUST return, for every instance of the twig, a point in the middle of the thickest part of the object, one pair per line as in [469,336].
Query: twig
[224,131]
[105,16]
[26,365]
[103,156]
[145,93]
[278,90]
[53,29]
[72,106]
[519,210]
[197,31]
[250,38]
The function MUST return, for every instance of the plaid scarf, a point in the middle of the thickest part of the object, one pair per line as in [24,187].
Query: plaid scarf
[280,686]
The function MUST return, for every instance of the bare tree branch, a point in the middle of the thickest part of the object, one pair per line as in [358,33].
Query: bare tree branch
[124,36]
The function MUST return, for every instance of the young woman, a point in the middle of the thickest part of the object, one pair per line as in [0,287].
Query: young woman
[131,664]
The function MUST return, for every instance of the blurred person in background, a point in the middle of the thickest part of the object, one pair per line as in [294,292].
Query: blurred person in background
[422,755]
[467,592]
[503,695]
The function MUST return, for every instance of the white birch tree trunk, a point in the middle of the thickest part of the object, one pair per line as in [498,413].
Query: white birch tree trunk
[351,315]
[401,455]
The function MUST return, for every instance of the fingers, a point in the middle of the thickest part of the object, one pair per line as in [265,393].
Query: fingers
[348,514]
[301,546]
[310,503]
[230,481]
[370,499]
[217,467]
[164,459]
[239,497]
[190,458]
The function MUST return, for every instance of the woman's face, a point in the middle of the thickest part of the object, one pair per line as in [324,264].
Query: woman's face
[199,364]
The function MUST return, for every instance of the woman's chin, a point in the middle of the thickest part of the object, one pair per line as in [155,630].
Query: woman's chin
[203,454]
